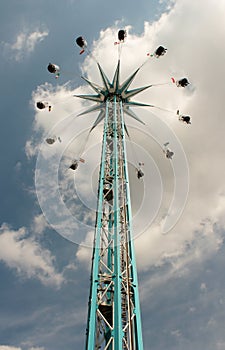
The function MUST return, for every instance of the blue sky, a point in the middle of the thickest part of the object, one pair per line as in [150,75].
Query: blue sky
[45,277]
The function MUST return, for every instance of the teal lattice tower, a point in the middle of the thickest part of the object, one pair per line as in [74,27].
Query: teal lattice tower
[114,317]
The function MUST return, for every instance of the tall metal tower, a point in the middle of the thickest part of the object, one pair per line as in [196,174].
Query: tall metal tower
[114,317]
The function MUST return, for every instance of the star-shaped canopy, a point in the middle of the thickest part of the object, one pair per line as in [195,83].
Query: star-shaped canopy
[109,90]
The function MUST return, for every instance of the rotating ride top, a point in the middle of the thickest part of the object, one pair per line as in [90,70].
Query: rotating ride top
[114,317]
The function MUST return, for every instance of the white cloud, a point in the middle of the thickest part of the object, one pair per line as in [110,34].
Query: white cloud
[203,287]
[31,149]
[25,43]
[190,44]
[84,252]
[6,347]
[25,255]
[39,224]
[176,333]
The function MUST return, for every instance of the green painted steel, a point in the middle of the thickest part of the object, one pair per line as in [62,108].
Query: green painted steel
[114,317]
[138,325]
[118,332]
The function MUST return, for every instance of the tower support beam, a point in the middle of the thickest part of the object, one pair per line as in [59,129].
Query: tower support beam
[114,320]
